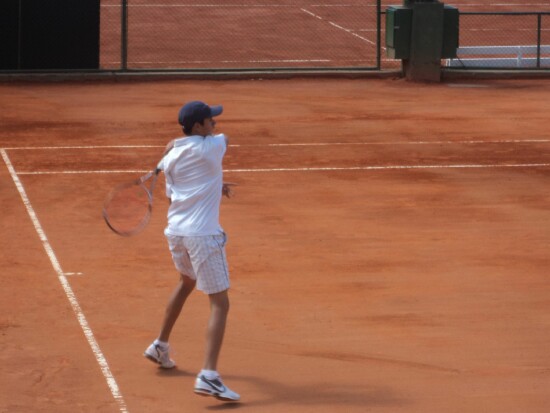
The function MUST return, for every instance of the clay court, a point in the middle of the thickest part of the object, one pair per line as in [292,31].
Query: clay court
[388,247]
[388,241]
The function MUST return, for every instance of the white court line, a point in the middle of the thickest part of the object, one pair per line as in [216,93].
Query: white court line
[313,169]
[470,142]
[27,148]
[508,29]
[242,61]
[100,358]
[457,4]
[185,62]
[392,167]
[339,27]
[117,171]
[466,142]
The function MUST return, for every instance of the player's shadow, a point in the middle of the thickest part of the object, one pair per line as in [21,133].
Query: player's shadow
[314,393]
[174,372]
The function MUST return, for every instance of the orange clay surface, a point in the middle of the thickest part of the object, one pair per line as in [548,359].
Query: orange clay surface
[359,284]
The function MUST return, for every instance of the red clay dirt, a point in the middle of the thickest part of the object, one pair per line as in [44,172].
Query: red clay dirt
[395,261]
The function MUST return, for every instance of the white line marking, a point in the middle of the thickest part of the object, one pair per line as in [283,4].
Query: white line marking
[508,29]
[349,31]
[390,167]
[129,171]
[314,169]
[500,4]
[471,142]
[26,148]
[185,62]
[466,142]
[352,33]
[100,358]
[312,14]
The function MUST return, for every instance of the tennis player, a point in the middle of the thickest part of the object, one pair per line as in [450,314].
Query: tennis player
[193,170]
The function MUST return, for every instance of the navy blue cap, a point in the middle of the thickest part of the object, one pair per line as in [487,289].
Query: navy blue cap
[197,111]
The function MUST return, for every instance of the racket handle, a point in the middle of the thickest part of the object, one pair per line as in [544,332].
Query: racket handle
[145,177]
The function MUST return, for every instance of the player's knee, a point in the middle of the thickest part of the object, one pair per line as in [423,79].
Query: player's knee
[220,302]
[188,282]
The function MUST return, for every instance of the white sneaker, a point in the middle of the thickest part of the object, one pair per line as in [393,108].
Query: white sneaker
[215,388]
[160,355]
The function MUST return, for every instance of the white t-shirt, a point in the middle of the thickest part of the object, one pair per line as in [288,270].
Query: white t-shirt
[194,179]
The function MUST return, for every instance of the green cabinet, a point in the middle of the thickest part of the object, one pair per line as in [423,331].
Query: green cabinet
[450,32]
[398,31]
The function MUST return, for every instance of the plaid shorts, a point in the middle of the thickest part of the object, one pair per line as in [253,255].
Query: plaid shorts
[202,258]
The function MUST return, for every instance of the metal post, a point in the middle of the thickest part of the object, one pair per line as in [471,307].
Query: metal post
[378,34]
[426,41]
[19,34]
[539,25]
[124,36]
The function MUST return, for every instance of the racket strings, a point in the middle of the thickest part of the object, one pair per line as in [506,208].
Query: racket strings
[128,208]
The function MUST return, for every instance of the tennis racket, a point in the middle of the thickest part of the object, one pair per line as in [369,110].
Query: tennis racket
[127,208]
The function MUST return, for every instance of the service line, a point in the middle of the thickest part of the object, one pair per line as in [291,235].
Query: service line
[245,145]
[310,169]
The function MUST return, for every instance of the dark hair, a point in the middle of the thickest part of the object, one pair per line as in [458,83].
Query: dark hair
[188,127]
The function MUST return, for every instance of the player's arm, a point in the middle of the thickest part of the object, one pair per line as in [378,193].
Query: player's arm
[169,147]
[227,191]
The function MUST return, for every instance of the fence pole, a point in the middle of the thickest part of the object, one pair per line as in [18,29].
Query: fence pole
[19,34]
[378,34]
[539,26]
[124,36]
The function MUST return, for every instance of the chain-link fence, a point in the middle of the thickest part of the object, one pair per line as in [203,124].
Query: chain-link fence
[191,35]
[506,40]
[242,34]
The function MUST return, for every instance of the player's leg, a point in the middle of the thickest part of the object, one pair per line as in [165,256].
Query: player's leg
[209,382]
[213,279]
[219,308]
[159,350]
[175,304]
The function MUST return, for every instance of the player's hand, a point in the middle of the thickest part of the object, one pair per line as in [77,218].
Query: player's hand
[227,190]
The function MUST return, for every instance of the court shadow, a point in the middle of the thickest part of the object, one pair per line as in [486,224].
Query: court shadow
[314,393]
[175,372]
[228,406]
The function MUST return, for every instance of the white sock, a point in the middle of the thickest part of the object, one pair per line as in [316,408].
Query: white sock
[162,344]
[210,374]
